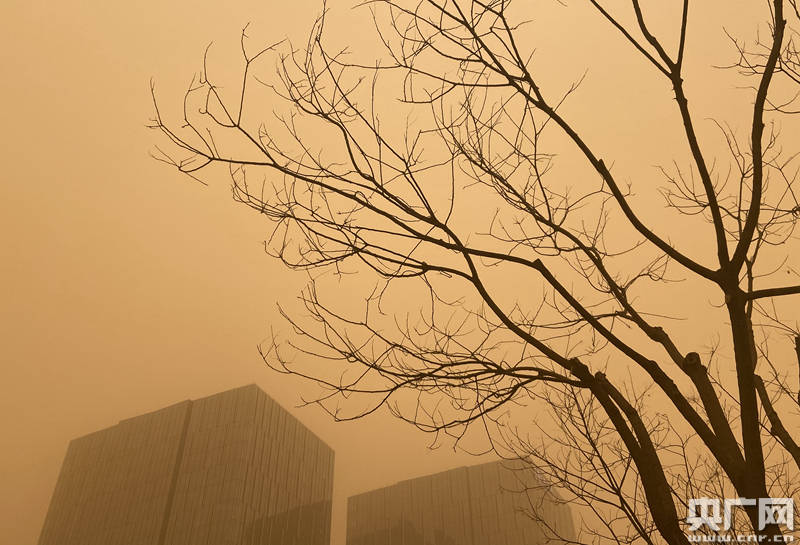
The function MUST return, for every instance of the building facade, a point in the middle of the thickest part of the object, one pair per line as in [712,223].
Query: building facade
[229,469]
[488,504]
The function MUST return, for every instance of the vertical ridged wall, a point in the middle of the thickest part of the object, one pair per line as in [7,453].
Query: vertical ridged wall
[230,469]
[477,505]
[249,469]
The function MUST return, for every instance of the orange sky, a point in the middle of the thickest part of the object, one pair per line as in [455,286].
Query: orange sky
[126,287]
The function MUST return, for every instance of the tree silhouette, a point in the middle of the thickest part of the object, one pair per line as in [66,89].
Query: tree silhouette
[499,289]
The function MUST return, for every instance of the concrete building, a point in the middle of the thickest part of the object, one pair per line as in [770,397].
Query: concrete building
[229,469]
[484,504]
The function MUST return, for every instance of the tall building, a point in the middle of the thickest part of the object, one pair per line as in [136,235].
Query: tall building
[496,503]
[229,469]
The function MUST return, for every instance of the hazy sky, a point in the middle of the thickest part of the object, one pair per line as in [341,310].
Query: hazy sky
[126,287]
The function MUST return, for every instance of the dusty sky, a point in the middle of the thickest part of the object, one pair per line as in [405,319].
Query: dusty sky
[126,287]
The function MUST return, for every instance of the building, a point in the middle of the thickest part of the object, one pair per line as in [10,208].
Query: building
[229,469]
[496,503]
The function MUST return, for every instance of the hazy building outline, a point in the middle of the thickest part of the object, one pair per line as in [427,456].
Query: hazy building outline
[232,468]
[487,504]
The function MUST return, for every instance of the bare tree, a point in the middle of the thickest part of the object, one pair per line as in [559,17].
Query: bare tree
[500,289]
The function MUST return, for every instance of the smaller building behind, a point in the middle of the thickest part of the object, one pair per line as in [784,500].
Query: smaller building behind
[496,503]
